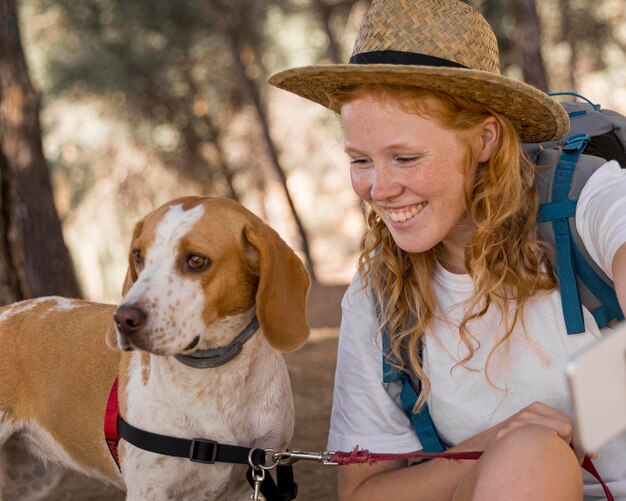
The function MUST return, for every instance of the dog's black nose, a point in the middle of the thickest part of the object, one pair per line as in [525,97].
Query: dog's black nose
[129,319]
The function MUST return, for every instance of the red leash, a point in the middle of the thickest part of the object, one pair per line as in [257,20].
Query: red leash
[362,456]
[588,465]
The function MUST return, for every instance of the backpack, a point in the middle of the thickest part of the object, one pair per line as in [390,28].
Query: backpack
[595,136]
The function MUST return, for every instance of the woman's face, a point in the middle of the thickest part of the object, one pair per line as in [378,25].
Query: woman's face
[411,170]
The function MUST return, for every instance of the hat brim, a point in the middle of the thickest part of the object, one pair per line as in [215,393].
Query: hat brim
[536,116]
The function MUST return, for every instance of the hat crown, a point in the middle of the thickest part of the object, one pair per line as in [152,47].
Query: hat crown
[447,29]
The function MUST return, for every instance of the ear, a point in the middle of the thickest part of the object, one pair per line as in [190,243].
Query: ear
[129,280]
[110,336]
[489,138]
[283,287]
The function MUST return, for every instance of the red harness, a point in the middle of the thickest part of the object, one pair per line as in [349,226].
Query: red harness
[111,434]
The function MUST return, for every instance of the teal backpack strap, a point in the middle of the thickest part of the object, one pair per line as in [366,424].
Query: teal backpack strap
[422,422]
[570,263]
[610,309]
[558,211]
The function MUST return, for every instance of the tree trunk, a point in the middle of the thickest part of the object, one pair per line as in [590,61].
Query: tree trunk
[214,135]
[33,250]
[568,34]
[225,24]
[324,12]
[529,43]
[10,283]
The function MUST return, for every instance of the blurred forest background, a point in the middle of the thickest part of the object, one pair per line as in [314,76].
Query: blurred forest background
[109,108]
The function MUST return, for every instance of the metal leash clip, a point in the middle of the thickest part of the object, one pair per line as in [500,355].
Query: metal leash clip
[258,475]
[269,465]
[287,458]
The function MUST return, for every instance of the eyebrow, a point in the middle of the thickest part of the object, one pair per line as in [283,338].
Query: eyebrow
[351,151]
[413,149]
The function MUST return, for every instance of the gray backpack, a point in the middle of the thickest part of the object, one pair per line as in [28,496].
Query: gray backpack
[595,136]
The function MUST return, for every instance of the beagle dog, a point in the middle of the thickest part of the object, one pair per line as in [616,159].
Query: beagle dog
[201,271]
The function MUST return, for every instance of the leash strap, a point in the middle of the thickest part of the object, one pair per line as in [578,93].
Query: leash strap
[589,466]
[362,456]
[357,456]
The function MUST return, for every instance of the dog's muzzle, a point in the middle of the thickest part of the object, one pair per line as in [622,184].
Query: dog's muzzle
[129,319]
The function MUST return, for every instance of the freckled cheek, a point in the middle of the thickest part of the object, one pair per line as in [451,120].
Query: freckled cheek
[441,183]
[455,189]
[361,184]
[451,204]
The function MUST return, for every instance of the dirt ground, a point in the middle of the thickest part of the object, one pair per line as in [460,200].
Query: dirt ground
[312,370]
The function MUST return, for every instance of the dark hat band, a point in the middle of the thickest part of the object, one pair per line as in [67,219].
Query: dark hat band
[400,57]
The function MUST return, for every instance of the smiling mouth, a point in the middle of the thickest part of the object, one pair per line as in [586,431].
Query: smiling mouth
[405,213]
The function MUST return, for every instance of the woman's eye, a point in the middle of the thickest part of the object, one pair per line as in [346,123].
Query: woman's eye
[359,162]
[407,159]
[198,263]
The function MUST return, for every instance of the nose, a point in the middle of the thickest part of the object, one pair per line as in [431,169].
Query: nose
[129,319]
[384,184]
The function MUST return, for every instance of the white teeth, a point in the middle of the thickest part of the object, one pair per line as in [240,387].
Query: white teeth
[406,214]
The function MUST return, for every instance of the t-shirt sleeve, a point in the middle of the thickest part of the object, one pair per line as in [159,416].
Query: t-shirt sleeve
[601,214]
[365,410]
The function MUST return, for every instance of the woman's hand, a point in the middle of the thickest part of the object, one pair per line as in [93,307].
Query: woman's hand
[438,479]
[536,413]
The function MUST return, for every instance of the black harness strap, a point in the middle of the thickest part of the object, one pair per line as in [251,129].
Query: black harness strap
[285,489]
[206,451]
[198,449]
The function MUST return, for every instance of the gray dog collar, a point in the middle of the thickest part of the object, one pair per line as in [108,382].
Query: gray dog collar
[215,357]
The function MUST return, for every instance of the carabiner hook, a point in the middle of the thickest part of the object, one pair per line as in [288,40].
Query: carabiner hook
[288,458]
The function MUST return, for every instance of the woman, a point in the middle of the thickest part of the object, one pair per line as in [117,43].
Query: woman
[453,267]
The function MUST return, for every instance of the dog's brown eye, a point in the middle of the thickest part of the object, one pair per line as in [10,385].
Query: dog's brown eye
[138,257]
[198,263]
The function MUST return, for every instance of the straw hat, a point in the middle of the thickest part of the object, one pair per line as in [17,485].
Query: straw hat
[442,45]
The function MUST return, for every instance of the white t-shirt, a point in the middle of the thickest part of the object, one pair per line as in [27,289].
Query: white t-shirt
[367,412]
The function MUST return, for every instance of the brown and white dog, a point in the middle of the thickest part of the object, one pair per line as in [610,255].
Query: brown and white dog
[199,270]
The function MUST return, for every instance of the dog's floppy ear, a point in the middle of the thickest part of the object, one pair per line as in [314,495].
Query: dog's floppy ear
[129,280]
[283,287]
